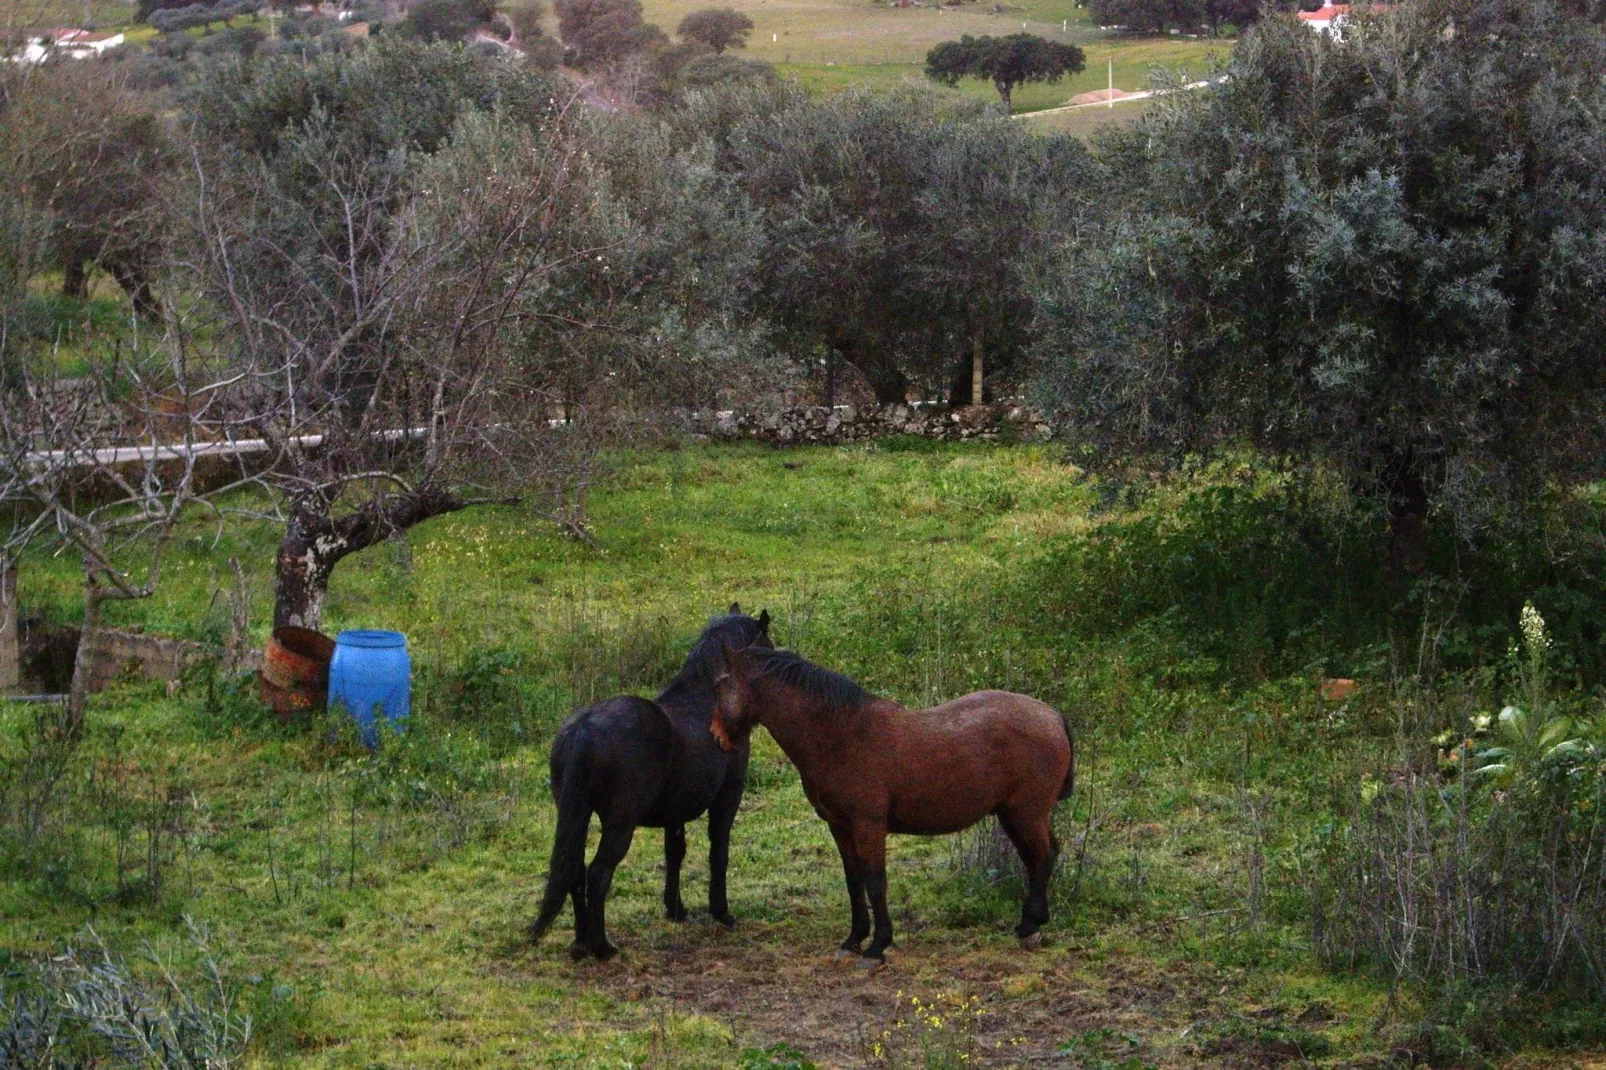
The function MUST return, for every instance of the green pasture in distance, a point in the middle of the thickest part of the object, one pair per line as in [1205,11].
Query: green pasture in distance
[1135,61]
[1083,122]
[104,14]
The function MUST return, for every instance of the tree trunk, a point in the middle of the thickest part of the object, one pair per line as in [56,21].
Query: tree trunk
[75,280]
[1407,522]
[977,355]
[132,277]
[891,386]
[10,644]
[315,541]
[83,666]
[306,556]
[1004,92]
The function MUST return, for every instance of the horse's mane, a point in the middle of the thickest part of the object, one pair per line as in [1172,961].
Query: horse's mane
[707,657]
[791,668]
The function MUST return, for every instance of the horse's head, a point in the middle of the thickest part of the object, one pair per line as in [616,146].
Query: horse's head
[733,699]
[756,630]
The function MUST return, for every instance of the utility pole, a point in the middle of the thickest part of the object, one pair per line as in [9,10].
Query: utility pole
[1112,82]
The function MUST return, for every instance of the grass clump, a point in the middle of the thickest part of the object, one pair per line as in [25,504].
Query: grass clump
[91,1007]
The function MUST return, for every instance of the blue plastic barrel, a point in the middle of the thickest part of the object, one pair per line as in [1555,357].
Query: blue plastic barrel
[371,675]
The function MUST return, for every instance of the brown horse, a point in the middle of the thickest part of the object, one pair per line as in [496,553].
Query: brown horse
[870,767]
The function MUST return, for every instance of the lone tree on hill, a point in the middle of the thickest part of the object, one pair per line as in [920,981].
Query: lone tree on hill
[1005,61]
[718,28]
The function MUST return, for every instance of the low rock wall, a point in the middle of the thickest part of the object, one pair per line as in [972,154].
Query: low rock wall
[816,424]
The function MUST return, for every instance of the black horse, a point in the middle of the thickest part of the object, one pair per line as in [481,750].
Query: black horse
[636,763]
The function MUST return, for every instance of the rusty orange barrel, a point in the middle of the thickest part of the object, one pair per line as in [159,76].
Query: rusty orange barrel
[295,670]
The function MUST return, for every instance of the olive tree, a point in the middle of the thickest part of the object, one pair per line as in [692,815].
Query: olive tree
[603,33]
[371,247]
[718,28]
[896,229]
[1383,254]
[460,281]
[85,151]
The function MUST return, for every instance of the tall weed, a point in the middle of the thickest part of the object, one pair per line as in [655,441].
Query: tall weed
[1477,857]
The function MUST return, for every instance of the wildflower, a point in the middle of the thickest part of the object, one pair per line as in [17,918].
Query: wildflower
[1533,630]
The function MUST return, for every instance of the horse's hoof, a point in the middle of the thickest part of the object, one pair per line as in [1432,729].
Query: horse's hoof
[605,952]
[726,919]
[675,913]
[579,952]
[870,964]
[845,953]
[1032,942]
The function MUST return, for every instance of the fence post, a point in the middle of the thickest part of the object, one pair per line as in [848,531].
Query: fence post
[10,642]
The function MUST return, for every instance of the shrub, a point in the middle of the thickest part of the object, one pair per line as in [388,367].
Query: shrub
[1250,576]
[1482,862]
[88,1007]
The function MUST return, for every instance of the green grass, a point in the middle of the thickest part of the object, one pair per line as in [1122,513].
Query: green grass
[1084,122]
[834,44]
[106,14]
[373,907]
[1135,61]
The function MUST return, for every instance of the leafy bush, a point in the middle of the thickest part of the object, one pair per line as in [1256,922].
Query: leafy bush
[177,20]
[447,20]
[1485,865]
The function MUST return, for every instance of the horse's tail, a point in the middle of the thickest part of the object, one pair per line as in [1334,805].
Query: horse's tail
[1070,770]
[567,867]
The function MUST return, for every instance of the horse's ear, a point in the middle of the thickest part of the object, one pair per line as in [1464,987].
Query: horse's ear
[764,622]
[736,607]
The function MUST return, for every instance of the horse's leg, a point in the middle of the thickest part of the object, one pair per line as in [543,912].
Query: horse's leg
[854,872]
[674,855]
[721,816]
[616,837]
[871,844]
[577,894]
[1035,843]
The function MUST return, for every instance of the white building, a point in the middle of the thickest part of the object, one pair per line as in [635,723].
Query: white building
[1329,19]
[67,42]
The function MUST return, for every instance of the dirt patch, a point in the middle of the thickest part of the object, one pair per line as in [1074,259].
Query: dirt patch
[1030,1004]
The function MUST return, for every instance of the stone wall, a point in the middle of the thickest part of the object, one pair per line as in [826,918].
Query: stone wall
[812,424]
[120,653]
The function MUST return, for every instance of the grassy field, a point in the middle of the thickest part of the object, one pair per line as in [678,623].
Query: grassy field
[835,44]
[371,907]
[1134,61]
[1084,122]
[831,45]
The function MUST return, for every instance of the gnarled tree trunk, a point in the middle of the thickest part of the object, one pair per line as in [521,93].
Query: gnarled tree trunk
[315,541]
